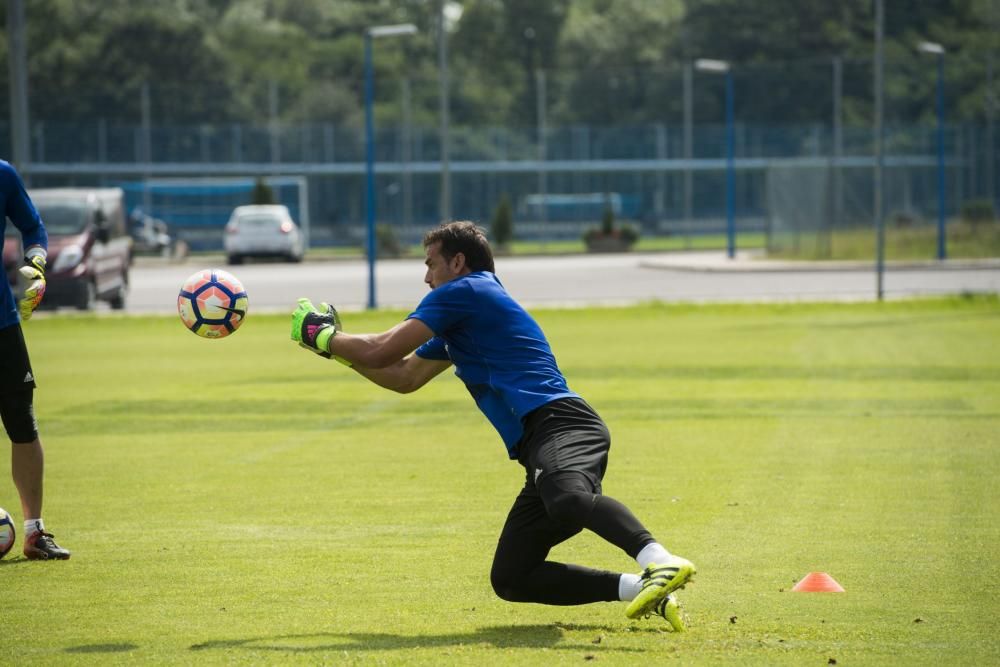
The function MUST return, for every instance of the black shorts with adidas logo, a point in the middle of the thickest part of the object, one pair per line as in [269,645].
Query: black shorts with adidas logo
[17,384]
[15,366]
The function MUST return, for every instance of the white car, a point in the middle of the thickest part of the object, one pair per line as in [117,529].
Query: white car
[262,231]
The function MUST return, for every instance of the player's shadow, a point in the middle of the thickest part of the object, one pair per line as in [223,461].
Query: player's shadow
[518,636]
[16,560]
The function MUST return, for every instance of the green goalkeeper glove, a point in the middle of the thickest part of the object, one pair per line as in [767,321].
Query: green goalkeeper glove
[312,328]
[34,272]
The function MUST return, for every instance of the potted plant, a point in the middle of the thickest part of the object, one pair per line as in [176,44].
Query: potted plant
[610,237]
[386,241]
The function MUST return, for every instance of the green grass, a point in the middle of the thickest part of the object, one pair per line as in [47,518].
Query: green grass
[901,243]
[907,243]
[567,247]
[241,501]
[645,244]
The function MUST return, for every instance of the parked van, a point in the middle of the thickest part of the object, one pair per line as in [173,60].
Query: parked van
[90,250]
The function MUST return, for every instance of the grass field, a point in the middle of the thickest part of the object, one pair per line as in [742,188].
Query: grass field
[908,243]
[962,241]
[242,501]
[559,247]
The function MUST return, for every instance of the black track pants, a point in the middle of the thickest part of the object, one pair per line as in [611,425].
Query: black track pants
[565,455]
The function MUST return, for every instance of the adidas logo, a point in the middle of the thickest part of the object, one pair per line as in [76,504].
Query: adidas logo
[28,377]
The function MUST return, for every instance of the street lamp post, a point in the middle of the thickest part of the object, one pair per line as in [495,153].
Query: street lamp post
[688,153]
[938,50]
[878,175]
[20,122]
[723,67]
[371,34]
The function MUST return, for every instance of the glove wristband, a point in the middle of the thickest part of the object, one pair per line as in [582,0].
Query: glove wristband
[35,256]
[322,341]
[323,344]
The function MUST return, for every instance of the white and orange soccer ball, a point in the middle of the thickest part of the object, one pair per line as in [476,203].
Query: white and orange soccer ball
[7,533]
[212,303]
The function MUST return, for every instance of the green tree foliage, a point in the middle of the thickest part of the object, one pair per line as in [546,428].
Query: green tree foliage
[775,39]
[607,61]
[88,60]
[262,193]
[503,44]
[621,53]
[502,225]
[608,219]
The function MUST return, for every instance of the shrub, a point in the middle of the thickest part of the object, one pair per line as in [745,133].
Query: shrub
[608,220]
[978,211]
[502,226]
[262,193]
[386,241]
[628,233]
[905,219]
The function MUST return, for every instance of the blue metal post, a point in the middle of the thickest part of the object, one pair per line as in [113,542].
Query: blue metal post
[730,169]
[942,249]
[370,169]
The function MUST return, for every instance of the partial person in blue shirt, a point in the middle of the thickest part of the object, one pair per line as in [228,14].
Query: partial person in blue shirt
[17,380]
[469,321]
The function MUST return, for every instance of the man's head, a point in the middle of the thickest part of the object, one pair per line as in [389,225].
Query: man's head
[455,249]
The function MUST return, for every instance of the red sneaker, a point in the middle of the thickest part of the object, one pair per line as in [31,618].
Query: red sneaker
[41,546]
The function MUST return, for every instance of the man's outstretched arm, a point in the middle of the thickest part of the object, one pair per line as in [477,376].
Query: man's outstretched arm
[406,375]
[387,358]
[380,350]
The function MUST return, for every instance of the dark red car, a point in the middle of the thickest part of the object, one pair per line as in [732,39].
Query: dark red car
[90,250]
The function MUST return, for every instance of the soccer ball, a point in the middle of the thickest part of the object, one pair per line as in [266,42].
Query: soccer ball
[7,533]
[212,303]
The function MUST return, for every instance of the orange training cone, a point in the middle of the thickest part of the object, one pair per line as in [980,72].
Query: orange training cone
[818,582]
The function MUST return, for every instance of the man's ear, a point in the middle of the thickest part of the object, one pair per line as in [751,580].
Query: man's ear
[458,262]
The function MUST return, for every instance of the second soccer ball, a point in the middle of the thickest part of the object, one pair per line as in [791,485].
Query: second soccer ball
[7,533]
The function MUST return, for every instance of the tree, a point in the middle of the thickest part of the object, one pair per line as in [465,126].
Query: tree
[617,51]
[608,62]
[502,226]
[786,46]
[262,193]
[506,42]
[89,60]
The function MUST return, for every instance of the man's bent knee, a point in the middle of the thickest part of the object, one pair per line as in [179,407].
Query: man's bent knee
[504,584]
[569,499]
[571,508]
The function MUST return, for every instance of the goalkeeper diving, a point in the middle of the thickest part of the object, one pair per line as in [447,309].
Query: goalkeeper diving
[469,321]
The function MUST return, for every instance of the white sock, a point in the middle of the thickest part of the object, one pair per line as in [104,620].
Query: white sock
[652,553]
[628,587]
[32,526]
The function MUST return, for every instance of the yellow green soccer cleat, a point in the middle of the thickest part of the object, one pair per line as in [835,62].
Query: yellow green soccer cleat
[670,610]
[658,581]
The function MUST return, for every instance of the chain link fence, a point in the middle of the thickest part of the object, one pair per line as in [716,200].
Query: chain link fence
[803,177]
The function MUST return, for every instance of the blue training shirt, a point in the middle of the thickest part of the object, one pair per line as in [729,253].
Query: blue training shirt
[17,208]
[498,350]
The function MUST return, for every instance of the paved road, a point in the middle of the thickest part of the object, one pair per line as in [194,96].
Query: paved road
[574,280]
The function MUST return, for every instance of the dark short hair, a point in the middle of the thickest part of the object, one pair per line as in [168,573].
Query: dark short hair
[463,237]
